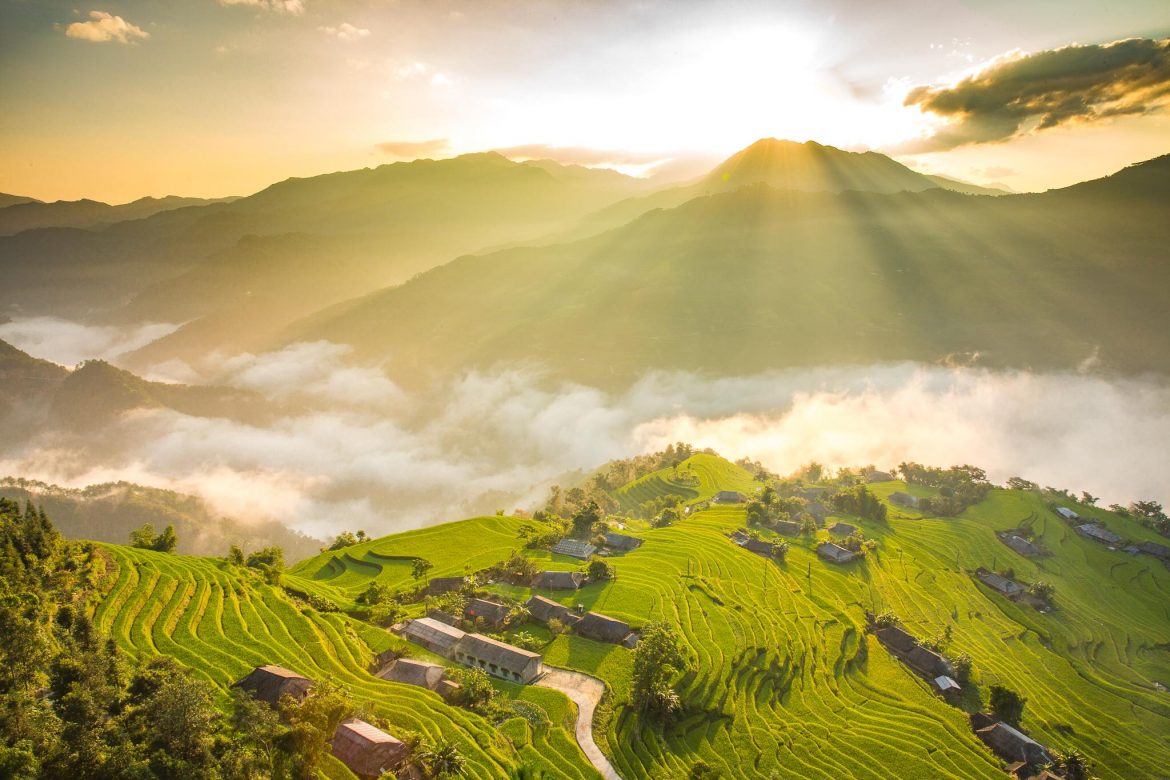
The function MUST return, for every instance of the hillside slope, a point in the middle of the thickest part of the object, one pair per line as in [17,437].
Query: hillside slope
[760,278]
[783,678]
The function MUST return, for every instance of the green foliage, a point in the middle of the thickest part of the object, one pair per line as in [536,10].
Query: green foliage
[440,760]
[269,561]
[1071,764]
[475,688]
[658,658]
[146,538]
[598,569]
[859,501]
[959,487]
[701,770]
[1043,590]
[1006,704]
[420,568]
[347,539]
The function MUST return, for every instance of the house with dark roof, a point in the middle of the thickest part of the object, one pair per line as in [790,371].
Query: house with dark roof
[818,511]
[896,638]
[499,659]
[759,547]
[787,527]
[842,529]
[440,585]
[928,662]
[1098,533]
[997,582]
[946,687]
[435,636]
[739,537]
[835,553]
[878,476]
[270,684]
[486,613]
[1067,513]
[558,580]
[1020,545]
[367,751]
[1011,744]
[603,628]
[410,671]
[728,497]
[545,609]
[574,548]
[902,498]
[622,541]
[1155,549]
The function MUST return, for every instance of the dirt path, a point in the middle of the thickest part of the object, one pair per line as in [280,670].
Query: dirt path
[586,692]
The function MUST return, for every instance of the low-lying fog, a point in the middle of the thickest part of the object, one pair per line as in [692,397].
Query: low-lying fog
[362,454]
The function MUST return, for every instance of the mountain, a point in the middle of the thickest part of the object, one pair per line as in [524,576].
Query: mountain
[958,185]
[28,215]
[760,278]
[36,392]
[109,512]
[7,200]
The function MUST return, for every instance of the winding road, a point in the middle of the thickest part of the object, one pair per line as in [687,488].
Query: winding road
[585,692]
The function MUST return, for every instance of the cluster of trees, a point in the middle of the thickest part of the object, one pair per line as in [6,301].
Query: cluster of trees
[663,510]
[959,486]
[346,539]
[269,561]
[772,508]
[1148,513]
[145,538]
[858,501]
[658,660]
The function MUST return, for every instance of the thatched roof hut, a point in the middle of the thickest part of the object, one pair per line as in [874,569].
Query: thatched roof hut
[367,751]
[558,580]
[409,671]
[270,683]
[603,628]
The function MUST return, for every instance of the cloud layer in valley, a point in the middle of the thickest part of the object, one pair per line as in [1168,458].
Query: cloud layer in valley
[1021,92]
[356,452]
[68,343]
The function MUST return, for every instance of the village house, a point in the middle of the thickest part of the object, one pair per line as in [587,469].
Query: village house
[270,683]
[835,553]
[603,628]
[928,663]
[759,547]
[946,687]
[544,609]
[842,529]
[558,580]
[574,548]
[818,511]
[443,617]
[1011,744]
[1098,533]
[896,638]
[410,671]
[622,541]
[499,659]
[728,497]
[878,476]
[999,583]
[902,498]
[1020,545]
[1067,513]
[435,636]
[1155,549]
[367,751]
[440,585]
[787,527]
[486,613]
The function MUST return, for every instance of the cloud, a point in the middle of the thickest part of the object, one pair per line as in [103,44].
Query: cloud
[413,149]
[356,452]
[68,343]
[103,27]
[346,32]
[1020,93]
[294,7]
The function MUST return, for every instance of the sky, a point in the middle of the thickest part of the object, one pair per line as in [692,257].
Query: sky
[116,100]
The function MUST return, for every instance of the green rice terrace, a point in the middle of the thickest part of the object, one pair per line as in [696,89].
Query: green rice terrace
[782,677]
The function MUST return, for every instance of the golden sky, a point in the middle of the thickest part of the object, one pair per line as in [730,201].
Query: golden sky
[118,100]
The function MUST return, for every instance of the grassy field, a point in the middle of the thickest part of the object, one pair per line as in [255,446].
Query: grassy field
[222,621]
[710,472]
[782,681]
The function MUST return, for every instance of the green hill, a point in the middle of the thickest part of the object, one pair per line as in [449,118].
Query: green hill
[697,478]
[760,278]
[784,680]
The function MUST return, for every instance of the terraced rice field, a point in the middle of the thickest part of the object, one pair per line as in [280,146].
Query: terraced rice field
[222,622]
[784,680]
[713,473]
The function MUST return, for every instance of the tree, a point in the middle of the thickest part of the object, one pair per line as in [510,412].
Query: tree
[808,526]
[1088,498]
[235,556]
[312,724]
[584,519]
[657,659]
[598,569]
[420,568]
[701,770]
[780,550]
[1007,705]
[1045,591]
[1071,764]
[143,538]
[475,687]
[442,759]
[269,561]
[167,541]
[962,666]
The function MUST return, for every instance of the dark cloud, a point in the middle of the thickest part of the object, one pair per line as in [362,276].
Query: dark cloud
[1021,93]
[413,149]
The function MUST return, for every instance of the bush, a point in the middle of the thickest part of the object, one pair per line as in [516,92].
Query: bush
[1007,705]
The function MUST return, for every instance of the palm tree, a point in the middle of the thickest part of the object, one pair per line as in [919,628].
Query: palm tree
[441,760]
